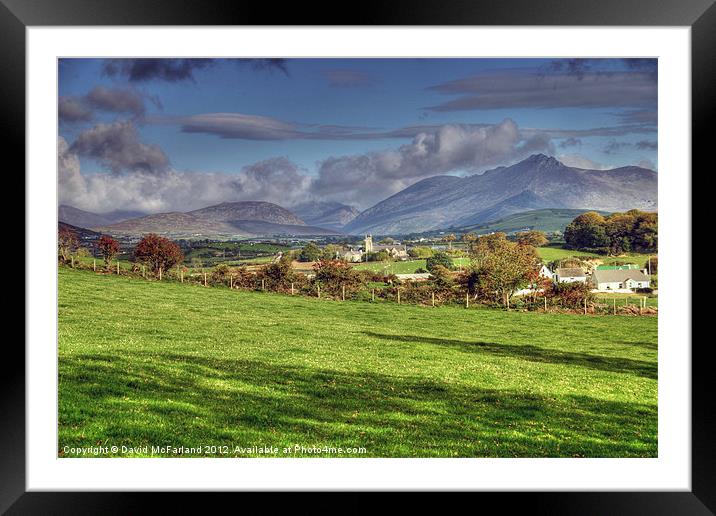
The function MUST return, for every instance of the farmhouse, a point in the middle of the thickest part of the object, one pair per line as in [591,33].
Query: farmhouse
[396,251]
[612,280]
[570,275]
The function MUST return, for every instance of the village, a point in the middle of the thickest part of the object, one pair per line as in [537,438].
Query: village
[626,278]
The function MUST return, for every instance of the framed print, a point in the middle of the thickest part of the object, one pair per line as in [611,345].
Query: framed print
[388,252]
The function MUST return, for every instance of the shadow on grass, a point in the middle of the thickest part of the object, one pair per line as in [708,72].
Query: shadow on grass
[169,398]
[535,354]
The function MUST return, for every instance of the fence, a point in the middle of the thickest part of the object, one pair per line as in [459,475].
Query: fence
[409,293]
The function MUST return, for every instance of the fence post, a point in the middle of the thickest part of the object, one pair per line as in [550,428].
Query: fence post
[117,266]
[72,261]
[467,300]
[372,295]
[585,306]
[545,303]
[144,272]
[433,296]
[343,293]
[94,265]
[160,274]
[614,309]
[181,275]
[319,291]
[263,284]
[398,295]
[292,288]
[205,284]
[231,282]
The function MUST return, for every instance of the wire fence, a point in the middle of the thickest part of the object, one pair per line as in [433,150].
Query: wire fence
[425,294]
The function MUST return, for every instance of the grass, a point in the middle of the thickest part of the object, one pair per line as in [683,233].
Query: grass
[145,363]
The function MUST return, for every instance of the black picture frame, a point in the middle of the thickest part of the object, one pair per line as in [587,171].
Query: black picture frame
[700,15]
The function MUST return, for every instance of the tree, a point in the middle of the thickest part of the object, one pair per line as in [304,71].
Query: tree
[499,267]
[387,241]
[420,252]
[158,252]
[279,275]
[108,247]
[333,275]
[587,231]
[310,253]
[67,243]
[533,238]
[330,252]
[439,258]
[449,239]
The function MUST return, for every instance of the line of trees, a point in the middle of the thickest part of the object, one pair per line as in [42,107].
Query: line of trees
[617,233]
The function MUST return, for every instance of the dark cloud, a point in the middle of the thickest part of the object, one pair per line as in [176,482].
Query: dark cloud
[647,145]
[117,147]
[613,147]
[257,127]
[520,89]
[118,100]
[570,142]
[149,69]
[270,64]
[347,78]
[125,101]
[177,70]
[73,109]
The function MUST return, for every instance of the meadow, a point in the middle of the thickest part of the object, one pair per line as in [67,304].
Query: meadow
[404,267]
[145,363]
[556,252]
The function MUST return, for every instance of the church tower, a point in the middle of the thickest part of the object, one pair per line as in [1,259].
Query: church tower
[368,243]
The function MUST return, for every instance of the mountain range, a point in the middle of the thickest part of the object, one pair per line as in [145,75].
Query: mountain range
[244,218]
[537,182]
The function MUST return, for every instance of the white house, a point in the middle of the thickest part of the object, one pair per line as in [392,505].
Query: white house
[570,275]
[616,280]
[353,256]
[544,272]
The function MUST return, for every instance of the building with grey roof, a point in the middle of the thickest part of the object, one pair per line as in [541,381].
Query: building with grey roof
[611,280]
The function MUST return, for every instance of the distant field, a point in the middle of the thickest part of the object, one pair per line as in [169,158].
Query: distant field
[406,267]
[160,363]
[548,220]
[553,252]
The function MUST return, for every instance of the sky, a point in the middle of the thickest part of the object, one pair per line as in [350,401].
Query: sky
[159,135]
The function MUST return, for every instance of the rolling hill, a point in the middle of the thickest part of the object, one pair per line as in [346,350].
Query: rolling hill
[87,219]
[249,218]
[538,182]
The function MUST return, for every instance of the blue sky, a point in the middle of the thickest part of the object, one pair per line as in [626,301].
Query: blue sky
[349,130]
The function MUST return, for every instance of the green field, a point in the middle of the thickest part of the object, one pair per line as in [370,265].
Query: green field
[160,363]
[548,220]
[556,252]
[406,267]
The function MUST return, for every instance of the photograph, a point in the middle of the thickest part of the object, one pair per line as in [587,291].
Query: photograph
[357,257]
